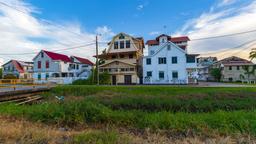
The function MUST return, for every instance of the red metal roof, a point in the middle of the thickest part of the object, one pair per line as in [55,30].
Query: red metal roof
[18,66]
[56,56]
[180,39]
[172,39]
[84,60]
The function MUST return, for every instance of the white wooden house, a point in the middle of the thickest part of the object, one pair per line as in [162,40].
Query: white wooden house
[168,61]
[59,68]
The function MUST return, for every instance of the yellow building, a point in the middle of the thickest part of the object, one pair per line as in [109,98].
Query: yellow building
[123,59]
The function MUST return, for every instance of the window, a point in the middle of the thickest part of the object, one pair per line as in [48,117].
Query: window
[174,60]
[162,60]
[47,64]
[230,68]
[121,36]
[42,55]
[113,56]
[148,61]
[130,56]
[77,66]
[191,59]
[39,64]
[132,69]
[149,74]
[128,44]
[175,75]
[161,75]
[121,44]
[46,76]
[39,76]
[116,45]
[238,67]
[169,47]
[152,52]
[121,56]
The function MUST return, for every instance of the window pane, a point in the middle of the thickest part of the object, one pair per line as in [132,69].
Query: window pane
[148,61]
[116,45]
[128,44]
[174,60]
[161,75]
[121,44]
[174,74]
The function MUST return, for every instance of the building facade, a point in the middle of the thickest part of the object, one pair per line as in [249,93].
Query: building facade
[168,61]
[18,69]
[235,69]
[204,64]
[123,59]
[59,68]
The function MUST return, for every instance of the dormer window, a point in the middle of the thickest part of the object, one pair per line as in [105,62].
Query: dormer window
[42,55]
[121,36]
[163,39]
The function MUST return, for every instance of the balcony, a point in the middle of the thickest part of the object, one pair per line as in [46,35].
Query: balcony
[118,70]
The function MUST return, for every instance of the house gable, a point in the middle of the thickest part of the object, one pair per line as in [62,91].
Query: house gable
[165,46]
[122,37]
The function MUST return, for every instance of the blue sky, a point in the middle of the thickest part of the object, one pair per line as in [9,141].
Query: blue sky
[138,17]
[60,24]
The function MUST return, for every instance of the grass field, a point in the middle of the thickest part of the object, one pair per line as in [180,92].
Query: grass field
[175,112]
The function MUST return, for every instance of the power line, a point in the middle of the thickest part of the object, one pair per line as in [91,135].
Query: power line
[237,47]
[43,20]
[220,36]
[76,47]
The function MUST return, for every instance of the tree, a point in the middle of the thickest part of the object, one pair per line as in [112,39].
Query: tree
[1,73]
[253,54]
[216,73]
[248,72]
[92,80]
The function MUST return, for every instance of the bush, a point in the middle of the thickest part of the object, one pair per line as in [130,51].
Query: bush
[216,73]
[104,80]
[10,76]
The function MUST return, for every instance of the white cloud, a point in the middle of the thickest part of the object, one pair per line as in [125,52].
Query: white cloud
[226,2]
[21,32]
[226,21]
[140,7]
[154,33]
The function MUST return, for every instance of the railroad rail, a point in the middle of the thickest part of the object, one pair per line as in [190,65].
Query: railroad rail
[21,94]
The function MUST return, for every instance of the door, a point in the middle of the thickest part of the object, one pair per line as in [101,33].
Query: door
[127,79]
[113,80]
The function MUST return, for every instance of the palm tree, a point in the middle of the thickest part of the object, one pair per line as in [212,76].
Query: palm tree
[253,54]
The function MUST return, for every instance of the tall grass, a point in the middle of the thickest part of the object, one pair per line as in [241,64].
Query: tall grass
[174,109]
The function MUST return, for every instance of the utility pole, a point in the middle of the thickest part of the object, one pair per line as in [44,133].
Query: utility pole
[97,61]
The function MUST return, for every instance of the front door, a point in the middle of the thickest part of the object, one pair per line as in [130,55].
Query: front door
[113,80]
[127,79]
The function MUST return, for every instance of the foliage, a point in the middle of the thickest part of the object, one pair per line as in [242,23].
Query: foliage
[216,73]
[1,73]
[10,76]
[253,54]
[175,109]
[248,71]
[92,80]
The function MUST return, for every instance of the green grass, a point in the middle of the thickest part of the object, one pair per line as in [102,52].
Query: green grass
[174,109]
[171,99]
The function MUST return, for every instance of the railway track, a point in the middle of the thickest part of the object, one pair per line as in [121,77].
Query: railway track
[22,98]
